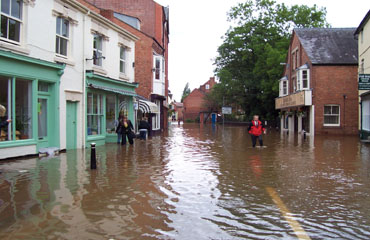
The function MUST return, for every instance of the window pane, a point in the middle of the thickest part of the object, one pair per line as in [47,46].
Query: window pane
[4,27]
[123,53]
[14,28]
[57,43]
[5,6]
[16,9]
[89,103]
[95,104]
[58,25]
[5,128]
[65,28]
[335,110]
[331,119]
[327,109]
[23,106]
[122,67]
[110,113]
[43,87]
[63,46]
[157,68]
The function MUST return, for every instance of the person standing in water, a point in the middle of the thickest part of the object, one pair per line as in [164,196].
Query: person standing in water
[118,127]
[256,128]
[127,131]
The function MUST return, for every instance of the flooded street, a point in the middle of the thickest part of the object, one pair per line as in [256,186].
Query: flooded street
[194,182]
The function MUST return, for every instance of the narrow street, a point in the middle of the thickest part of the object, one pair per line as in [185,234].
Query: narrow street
[194,182]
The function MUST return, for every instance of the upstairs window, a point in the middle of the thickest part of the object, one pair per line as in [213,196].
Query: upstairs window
[362,66]
[207,86]
[157,69]
[98,50]
[303,79]
[122,60]
[11,19]
[285,88]
[62,36]
[331,115]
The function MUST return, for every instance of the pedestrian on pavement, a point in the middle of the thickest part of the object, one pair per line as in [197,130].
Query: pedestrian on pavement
[3,121]
[256,128]
[144,128]
[127,131]
[118,127]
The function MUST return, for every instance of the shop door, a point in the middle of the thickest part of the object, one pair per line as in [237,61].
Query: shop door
[43,123]
[71,125]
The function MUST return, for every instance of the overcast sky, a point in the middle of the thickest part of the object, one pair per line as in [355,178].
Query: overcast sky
[196,28]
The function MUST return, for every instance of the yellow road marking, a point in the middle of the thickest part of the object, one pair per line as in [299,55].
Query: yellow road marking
[298,230]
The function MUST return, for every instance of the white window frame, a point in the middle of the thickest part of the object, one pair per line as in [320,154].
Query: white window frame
[207,86]
[366,115]
[8,16]
[63,37]
[284,89]
[156,119]
[300,80]
[98,52]
[331,124]
[123,61]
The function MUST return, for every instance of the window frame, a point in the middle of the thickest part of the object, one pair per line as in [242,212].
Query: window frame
[100,112]
[331,114]
[19,20]
[123,61]
[62,37]
[98,56]
[284,91]
[156,119]
[301,80]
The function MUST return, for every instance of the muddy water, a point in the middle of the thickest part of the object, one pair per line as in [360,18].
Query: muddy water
[193,183]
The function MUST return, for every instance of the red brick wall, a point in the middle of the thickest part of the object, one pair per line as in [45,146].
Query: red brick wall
[193,104]
[331,83]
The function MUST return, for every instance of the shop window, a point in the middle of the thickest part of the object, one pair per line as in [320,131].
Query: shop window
[122,105]
[366,115]
[94,114]
[122,60]
[110,113]
[11,19]
[22,119]
[62,36]
[156,120]
[98,50]
[331,115]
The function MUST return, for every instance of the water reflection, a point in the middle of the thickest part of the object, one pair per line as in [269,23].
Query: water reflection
[192,183]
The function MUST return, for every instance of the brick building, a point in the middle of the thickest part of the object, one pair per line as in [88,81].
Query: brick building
[318,91]
[150,21]
[194,105]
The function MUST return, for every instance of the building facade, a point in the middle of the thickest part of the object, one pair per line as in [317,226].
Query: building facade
[194,103]
[150,22]
[61,84]
[318,90]
[363,35]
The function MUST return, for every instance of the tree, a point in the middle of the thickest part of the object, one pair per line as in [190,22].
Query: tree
[248,62]
[185,92]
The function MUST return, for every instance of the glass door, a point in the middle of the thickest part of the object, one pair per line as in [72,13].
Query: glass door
[43,119]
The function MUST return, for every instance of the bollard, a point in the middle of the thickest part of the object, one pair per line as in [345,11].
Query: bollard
[93,156]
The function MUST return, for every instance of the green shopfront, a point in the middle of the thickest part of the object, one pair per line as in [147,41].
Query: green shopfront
[106,99]
[29,90]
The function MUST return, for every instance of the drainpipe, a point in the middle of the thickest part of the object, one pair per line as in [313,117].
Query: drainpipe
[83,105]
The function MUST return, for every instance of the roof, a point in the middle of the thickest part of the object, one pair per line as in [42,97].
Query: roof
[363,23]
[329,45]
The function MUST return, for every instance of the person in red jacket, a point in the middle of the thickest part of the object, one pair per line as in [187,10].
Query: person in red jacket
[256,128]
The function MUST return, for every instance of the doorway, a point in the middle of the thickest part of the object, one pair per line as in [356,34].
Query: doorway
[71,125]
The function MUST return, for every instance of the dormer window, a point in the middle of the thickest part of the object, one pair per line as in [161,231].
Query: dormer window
[283,86]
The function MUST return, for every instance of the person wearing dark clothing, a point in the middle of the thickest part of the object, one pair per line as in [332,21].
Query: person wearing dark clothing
[144,128]
[126,129]
[256,128]
[118,128]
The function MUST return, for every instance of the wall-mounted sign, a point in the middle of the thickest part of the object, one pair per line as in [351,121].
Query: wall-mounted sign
[292,100]
[364,82]
[226,110]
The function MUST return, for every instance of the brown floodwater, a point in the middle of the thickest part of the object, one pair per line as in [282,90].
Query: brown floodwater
[194,182]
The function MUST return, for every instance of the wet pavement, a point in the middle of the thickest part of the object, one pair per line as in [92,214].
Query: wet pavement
[193,183]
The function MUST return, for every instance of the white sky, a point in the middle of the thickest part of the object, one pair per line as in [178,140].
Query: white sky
[196,28]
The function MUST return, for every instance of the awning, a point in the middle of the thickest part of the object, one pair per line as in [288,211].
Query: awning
[148,107]
[115,90]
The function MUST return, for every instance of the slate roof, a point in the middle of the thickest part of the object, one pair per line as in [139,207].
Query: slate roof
[335,46]
[363,23]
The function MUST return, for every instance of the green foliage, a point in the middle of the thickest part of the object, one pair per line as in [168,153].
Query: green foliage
[185,92]
[248,62]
